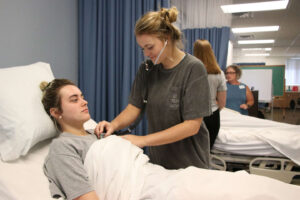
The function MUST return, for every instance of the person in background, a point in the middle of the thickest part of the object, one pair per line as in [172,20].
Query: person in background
[217,85]
[239,96]
[178,97]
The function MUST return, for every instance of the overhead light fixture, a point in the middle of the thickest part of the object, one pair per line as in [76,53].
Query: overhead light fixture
[254,7]
[256,49]
[258,54]
[255,41]
[255,29]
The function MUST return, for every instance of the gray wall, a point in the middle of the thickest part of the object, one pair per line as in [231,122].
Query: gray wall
[40,30]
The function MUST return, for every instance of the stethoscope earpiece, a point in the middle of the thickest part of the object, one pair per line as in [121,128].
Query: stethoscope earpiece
[166,42]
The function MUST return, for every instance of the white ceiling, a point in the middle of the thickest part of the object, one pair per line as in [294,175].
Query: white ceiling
[287,38]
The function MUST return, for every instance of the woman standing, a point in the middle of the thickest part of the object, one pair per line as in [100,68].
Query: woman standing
[239,96]
[217,84]
[178,97]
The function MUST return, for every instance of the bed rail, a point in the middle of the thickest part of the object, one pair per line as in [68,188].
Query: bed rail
[279,168]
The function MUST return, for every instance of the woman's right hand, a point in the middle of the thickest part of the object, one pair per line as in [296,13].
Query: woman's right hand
[104,127]
[244,106]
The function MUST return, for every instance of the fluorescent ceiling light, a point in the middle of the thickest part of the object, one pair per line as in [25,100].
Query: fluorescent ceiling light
[255,41]
[256,49]
[252,7]
[255,29]
[258,54]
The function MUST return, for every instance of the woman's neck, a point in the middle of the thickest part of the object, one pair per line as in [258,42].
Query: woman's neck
[173,59]
[234,82]
[75,130]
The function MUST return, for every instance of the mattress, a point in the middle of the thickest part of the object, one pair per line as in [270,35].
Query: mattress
[246,135]
[24,178]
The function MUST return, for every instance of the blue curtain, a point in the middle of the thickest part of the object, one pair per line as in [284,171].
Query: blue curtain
[108,54]
[218,38]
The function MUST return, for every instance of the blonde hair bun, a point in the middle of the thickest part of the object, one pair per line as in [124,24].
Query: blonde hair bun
[43,85]
[169,14]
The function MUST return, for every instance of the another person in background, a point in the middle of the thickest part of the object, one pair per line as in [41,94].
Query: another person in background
[178,97]
[217,85]
[239,96]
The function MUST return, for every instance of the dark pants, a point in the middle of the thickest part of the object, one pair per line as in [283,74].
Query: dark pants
[212,123]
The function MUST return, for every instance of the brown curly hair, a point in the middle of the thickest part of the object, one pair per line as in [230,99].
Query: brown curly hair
[51,97]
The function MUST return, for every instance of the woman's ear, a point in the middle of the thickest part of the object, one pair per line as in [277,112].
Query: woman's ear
[54,112]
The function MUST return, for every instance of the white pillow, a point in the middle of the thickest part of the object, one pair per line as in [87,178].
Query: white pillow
[90,125]
[23,120]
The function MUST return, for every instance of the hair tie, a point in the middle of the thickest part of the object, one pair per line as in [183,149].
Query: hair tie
[167,15]
[48,85]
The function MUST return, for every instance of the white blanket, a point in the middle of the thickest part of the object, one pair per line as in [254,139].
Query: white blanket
[113,164]
[240,131]
[120,171]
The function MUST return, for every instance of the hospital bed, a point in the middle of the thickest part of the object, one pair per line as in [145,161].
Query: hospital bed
[26,132]
[257,145]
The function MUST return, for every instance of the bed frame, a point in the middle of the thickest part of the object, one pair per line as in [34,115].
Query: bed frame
[282,169]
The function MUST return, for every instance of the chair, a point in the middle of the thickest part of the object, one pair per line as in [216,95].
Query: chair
[253,110]
[296,104]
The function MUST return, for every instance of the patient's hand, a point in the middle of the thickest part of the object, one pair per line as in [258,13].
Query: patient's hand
[104,127]
[135,139]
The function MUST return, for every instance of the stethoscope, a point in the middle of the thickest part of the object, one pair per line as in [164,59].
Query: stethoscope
[162,50]
[146,59]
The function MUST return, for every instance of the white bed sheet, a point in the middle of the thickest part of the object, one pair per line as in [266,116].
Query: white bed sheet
[24,178]
[248,135]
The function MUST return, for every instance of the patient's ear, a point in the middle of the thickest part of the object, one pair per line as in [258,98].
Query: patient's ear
[54,112]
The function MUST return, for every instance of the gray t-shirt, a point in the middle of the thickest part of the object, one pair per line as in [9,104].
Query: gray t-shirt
[217,83]
[174,95]
[64,165]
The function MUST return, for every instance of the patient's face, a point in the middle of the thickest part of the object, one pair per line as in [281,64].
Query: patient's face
[73,105]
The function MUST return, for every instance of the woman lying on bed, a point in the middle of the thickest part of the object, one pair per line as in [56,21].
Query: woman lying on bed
[79,166]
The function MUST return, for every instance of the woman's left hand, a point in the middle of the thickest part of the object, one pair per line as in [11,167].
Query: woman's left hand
[136,140]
